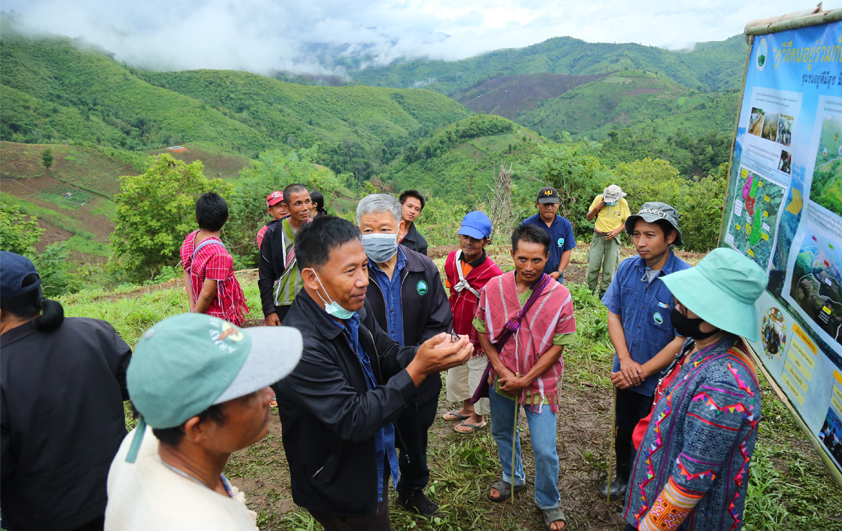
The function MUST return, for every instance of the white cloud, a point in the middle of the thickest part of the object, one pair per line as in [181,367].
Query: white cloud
[264,35]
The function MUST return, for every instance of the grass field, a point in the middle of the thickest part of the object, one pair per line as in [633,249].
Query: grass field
[788,487]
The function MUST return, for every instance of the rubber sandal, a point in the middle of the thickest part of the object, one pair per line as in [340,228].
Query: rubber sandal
[472,427]
[453,415]
[553,515]
[505,490]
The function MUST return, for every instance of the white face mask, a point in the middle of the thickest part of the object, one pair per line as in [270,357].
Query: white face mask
[380,247]
[333,308]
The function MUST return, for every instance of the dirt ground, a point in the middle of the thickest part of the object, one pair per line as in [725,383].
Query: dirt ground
[583,428]
[582,444]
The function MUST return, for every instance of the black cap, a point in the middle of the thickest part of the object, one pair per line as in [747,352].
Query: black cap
[548,195]
[13,269]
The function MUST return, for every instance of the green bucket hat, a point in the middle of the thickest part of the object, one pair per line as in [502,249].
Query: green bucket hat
[722,290]
[187,363]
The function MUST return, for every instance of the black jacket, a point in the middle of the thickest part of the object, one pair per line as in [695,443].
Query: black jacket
[271,266]
[415,241]
[62,421]
[328,415]
[426,313]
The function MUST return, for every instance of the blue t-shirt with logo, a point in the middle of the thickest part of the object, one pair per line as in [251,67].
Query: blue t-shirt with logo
[561,239]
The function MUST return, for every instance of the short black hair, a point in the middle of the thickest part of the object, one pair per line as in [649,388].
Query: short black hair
[211,212]
[412,193]
[666,227]
[531,234]
[173,436]
[48,314]
[293,188]
[316,239]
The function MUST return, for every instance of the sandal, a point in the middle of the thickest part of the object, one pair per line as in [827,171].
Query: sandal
[274,402]
[454,415]
[471,427]
[505,490]
[553,515]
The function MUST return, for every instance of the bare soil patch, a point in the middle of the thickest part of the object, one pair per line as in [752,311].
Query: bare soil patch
[215,163]
[52,234]
[509,96]
[28,189]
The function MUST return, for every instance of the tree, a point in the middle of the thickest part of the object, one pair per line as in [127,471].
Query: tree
[577,174]
[47,158]
[19,233]
[274,170]
[155,211]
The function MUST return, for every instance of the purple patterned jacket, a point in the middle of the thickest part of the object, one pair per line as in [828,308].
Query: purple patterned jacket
[691,471]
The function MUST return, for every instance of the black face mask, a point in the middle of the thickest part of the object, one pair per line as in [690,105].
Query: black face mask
[687,327]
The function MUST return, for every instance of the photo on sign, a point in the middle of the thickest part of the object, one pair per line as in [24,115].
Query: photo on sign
[773,333]
[826,188]
[831,434]
[755,125]
[817,283]
[785,164]
[770,126]
[785,129]
[754,217]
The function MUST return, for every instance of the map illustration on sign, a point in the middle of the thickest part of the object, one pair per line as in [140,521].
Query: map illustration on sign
[754,218]
[817,283]
[826,189]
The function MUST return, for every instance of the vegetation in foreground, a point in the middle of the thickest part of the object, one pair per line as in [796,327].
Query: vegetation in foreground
[789,487]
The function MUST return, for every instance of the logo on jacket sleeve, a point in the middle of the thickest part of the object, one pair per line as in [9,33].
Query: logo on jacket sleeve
[422,288]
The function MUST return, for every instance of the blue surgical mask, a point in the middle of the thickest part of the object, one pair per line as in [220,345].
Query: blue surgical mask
[380,247]
[333,308]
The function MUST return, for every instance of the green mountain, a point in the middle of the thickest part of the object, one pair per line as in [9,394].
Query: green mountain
[56,90]
[714,66]
[360,128]
[461,159]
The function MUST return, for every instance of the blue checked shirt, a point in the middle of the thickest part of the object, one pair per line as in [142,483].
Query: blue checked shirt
[644,309]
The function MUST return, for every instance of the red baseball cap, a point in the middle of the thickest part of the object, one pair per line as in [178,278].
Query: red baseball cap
[274,198]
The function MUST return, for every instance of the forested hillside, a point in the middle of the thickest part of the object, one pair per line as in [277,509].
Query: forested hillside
[359,128]
[461,160]
[710,66]
[57,90]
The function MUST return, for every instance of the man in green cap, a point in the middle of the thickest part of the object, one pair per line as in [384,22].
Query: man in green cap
[695,448]
[200,385]
[639,323]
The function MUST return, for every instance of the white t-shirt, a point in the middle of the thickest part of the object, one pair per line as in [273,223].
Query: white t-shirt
[146,495]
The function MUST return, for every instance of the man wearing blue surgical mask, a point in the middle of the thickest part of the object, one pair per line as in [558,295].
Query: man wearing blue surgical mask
[408,301]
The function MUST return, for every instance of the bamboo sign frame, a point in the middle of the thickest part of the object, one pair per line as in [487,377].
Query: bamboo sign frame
[804,411]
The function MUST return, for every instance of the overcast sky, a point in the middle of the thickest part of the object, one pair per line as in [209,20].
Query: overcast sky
[265,35]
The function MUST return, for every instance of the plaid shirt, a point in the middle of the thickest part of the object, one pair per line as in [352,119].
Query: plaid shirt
[213,262]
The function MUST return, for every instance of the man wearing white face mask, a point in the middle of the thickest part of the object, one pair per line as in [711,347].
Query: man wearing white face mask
[338,405]
[409,303]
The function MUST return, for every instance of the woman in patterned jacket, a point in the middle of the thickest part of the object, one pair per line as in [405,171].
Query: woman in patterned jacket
[691,469]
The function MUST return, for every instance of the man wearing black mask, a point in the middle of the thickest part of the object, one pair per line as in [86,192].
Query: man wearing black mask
[639,307]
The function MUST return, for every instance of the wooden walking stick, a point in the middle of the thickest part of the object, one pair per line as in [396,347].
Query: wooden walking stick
[613,436]
[514,440]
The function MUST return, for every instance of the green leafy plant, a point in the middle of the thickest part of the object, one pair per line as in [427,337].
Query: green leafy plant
[155,211]
[19,233]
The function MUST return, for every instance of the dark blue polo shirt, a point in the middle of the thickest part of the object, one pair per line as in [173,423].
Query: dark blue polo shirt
[561,239]
[391,289]
[645,309]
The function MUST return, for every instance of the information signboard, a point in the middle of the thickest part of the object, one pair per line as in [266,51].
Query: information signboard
[783,209]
